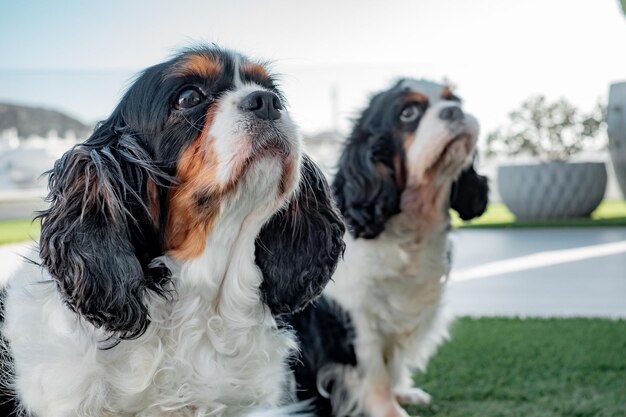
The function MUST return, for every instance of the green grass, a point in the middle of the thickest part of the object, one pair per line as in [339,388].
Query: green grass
[609,213]
[497,367]
[12,231]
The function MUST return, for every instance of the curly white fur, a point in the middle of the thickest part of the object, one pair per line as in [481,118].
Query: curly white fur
[213,349]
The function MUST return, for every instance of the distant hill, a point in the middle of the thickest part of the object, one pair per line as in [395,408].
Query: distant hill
[38,121]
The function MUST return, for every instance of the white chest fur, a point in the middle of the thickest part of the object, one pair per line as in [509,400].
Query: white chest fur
[393,287]
[214,348]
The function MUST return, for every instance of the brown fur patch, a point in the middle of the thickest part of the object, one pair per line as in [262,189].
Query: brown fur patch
[414,96]
[381,169]
[423,203]
[400,171]
[408,141]
[197,64]
[195,202]
[446,93]
[256,70]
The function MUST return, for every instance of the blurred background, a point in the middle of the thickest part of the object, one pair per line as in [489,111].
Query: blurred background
[76,58]
[546,80]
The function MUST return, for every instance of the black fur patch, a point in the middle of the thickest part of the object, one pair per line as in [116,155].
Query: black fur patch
[365,185]
[8,404]
[97,239]
[298,249]
[470,194]
[326,336]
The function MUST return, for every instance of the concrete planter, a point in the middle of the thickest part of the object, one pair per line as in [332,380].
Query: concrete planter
[616,121]
[553,190]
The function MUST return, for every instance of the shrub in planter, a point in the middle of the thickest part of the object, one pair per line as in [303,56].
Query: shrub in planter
[550,133]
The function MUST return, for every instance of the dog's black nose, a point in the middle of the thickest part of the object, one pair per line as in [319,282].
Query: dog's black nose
[451,113]
[263,104]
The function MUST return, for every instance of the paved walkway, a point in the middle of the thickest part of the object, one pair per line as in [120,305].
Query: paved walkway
[539,272]
[518,272]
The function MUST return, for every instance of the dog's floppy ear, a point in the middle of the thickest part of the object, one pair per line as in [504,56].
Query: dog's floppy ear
[470,194]
[298,249]
[98,236]
[370,176]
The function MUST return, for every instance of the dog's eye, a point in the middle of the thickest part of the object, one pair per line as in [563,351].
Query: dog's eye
[188,98]
[409,113]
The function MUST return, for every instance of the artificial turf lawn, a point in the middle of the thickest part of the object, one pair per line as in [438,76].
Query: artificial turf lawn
[608,213]
[12,231]
[496,367]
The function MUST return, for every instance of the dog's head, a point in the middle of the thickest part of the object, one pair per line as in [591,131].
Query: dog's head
[414,136]
[192,140]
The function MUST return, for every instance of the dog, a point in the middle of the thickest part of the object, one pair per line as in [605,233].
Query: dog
[408,160]
[175,236]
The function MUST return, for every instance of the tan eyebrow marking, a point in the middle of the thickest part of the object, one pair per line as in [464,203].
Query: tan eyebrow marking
[415,96]
[197,64]
[447,92]
[253,69]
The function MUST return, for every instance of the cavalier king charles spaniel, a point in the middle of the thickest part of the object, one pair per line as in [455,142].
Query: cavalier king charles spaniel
[176,235]
[408,160]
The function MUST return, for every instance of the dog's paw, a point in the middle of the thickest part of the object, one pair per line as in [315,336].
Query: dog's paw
[412,396]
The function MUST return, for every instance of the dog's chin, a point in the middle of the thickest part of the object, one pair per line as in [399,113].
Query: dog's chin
[272,167]
[270,139]
[269,148]
[451,159]
[266,140]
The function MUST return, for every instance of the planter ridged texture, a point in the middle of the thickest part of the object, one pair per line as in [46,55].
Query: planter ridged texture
[616,121]
[553,190]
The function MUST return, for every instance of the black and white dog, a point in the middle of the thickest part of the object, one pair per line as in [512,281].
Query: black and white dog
[175,233]
[408,160]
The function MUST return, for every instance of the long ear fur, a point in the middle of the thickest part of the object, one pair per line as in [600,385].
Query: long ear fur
[8,403]
[366,186]
[98,238]
[470,194]
[298,249]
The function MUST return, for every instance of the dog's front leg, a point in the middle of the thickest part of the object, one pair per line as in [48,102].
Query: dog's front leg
[403,388]
[379,399]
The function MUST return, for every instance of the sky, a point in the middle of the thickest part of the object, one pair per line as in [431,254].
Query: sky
[79,56]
